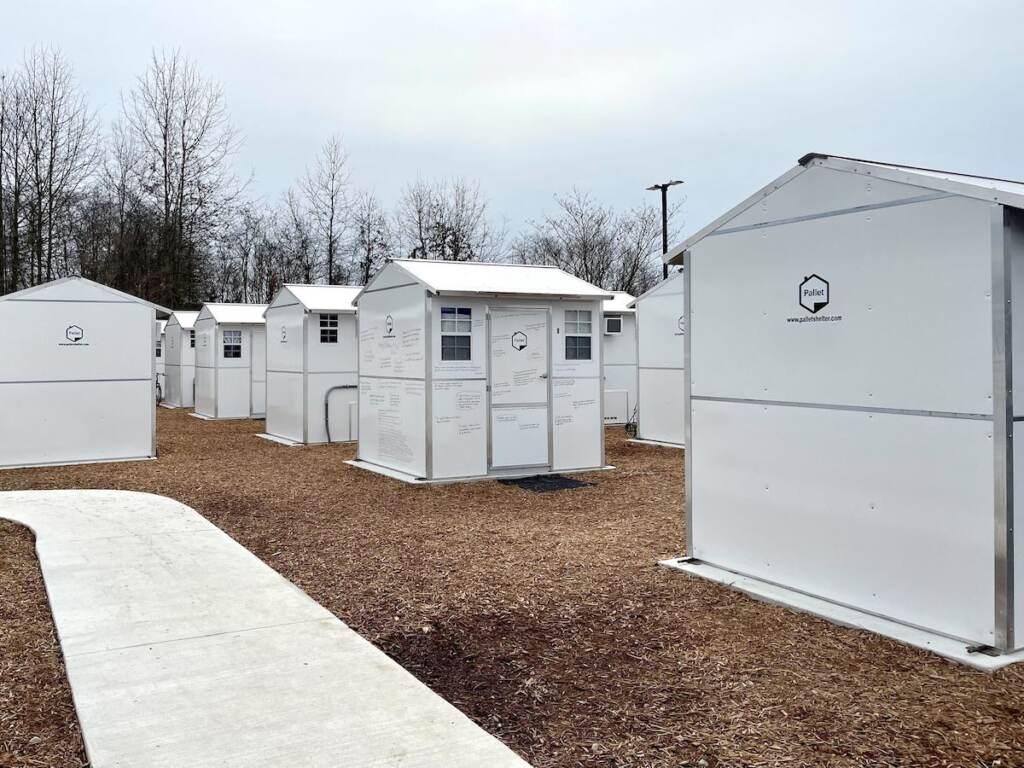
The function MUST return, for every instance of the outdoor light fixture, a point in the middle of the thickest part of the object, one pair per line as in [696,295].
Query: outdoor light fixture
[663,187]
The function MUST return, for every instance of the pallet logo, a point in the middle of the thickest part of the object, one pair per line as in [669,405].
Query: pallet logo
[681,325]
[389,327]
[814,294]
[74,334]
[519,341]
[284,335]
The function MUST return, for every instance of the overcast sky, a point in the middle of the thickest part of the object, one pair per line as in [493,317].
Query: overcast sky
[533,97]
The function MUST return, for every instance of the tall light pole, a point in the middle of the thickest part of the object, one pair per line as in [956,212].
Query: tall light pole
[663,188]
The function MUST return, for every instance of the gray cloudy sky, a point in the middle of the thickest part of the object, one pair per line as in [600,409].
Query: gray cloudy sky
[532,97]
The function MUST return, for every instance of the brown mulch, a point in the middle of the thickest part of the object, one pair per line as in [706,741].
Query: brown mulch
[542,616]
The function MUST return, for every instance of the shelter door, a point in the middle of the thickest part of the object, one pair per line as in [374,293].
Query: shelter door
[520,391]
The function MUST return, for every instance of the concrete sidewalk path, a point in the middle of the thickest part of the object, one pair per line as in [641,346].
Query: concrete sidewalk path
[184,649]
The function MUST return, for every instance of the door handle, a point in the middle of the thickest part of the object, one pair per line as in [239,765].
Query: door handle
[543,375]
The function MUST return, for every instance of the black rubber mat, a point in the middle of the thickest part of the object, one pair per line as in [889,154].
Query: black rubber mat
[546,483]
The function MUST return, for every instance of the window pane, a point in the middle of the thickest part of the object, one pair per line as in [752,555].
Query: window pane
[456,348]
[464,326]
[192,339]
[448,312]
[449,326]
[465,312]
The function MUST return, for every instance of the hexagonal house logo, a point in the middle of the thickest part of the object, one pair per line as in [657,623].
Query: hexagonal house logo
[519,340]
[814,293]
[389,326]
[74,334]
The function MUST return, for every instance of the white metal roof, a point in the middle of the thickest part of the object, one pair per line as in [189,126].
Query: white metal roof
[235,314]
[620,302]
[88,286]
[468,277]
[325,298]
[1002,191]
[184,318]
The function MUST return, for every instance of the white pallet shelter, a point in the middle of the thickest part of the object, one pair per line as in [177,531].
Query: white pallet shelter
[77,375]
[618,327]
[660,326]
[231,361]
[180,354]
[471,370]
[851,355]
[312,364]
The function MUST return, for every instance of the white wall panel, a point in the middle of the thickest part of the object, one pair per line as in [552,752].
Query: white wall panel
[205,384]
[661,320]
[819,190]
[332,358]
[662,416]
[460,428]
[1018,548]
[876,511]
[560,367]
[65,422]
[233,397]
[395,346]
[392,424]
[911,283]
[284,404]
[519,436]
[284,338]
[576,416]
[62,341]
[258,371]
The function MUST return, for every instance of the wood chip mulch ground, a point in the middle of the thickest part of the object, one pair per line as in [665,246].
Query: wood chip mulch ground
[541,615]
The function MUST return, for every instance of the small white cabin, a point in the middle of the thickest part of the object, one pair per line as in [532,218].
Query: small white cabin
[312,364]
[231,361]
[77,375]
[852,344]
[473,370]
[660,331]
[180,360]
[618,327]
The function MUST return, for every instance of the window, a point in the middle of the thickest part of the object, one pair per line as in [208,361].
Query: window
[613,324]
[159,351]
[192,339]
[329,329]
[232,344]
[456,333]
[577,334]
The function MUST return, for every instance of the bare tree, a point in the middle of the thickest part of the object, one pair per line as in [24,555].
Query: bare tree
[324,187]
[180,122]
[447,221]
[615,251]
[297,239]
[371,237]
[62,151]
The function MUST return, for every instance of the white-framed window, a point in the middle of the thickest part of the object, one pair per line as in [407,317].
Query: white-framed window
[159,349]
[192,339]
[613,324]
[578,330]
[456,333]
[329,328]
[232,344]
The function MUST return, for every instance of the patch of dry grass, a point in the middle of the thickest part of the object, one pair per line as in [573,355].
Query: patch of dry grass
[544,617]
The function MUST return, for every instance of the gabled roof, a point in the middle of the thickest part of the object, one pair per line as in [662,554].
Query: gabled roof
[234,314]
[672,276]
[320,298]
[185,319]
[620,302]
[472,277]
[64,289]
[1002,191]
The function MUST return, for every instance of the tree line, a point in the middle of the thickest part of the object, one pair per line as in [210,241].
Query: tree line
[152,204]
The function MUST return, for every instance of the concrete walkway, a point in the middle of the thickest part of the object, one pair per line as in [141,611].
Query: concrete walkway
[184,649]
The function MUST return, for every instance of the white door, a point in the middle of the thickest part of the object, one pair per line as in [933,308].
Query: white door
[520,404]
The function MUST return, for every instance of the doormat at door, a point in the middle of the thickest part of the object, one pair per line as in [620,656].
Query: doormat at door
[546,483]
